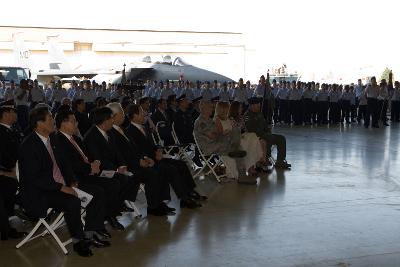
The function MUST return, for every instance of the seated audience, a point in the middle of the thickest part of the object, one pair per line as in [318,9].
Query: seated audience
[256,123]
[47,182]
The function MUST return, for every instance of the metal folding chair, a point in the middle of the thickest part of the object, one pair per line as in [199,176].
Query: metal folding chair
[49,228]
[211,161]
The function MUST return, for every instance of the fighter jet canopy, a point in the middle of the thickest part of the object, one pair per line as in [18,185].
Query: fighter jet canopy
[167,60]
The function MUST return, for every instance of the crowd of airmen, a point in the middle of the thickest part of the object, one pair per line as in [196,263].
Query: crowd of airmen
[295,102]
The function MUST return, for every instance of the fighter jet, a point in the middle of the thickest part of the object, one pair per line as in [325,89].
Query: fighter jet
[58,67]
[166,69]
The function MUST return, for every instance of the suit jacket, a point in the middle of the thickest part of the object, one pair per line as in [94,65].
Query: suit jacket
[98,148]
[127,149]
[79,167]
[36,173]
[84,123]
[165,132]
[157,116]
[9,145]
[144,143]
[184,126]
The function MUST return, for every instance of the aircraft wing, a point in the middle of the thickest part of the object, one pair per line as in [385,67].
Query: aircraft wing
[66,74]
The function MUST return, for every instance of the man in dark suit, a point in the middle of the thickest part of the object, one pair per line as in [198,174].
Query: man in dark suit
[70,147]
[79,108]
[99,145]
[161,115]
[175,171]
[183,125]
[156,188]
[9,145]
[47,183]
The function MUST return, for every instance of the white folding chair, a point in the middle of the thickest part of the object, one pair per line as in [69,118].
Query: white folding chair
[49,228]
[167,149]
[211,161]
[188,150]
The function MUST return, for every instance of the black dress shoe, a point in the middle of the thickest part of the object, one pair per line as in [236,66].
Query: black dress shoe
[125,208]
[167,208]
[98,243]
[104,233]
[189,203]
[159,211]
[115,223]
[195,195]
[83,249]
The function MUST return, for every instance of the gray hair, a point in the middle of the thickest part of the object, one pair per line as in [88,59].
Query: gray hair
[115,107]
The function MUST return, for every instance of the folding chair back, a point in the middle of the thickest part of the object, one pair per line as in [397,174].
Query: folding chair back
[211,161]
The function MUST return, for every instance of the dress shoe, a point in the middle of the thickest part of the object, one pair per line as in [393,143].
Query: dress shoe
[125,208]
[98,242]
[83,249]
[282,164]
[115,223]
[196,196]
[103,233]
[167,208]
[159,211]
[189,203]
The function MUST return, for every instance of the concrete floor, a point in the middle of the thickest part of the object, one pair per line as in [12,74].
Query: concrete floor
[338,206]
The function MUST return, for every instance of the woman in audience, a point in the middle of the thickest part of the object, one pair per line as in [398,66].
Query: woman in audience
[212,141]
[249,142]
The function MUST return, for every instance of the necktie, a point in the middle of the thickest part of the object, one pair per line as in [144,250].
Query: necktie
[73,142]
[56,170]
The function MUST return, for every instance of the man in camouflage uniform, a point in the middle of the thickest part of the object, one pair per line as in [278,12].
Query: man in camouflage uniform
[255,122]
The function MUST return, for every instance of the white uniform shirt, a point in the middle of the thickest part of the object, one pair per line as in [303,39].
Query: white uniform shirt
[359,90]
[59,94]
[334,96]
[352,98]
[104,93]
[363,99]
[322,96]
[259,92]
[240,95]
[188,92]
[167,92]
[9,93]
[178,91]
[207,94]
[37,94]
[24,100]
[88,95]
[372,91]
[197,92]
[283,93]
[396,95]
[308,94]
[224,95]
[346,96]
[295,94]
[249,92]
[383,94]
